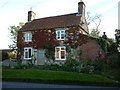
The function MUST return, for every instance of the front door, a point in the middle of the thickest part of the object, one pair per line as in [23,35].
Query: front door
[41,57]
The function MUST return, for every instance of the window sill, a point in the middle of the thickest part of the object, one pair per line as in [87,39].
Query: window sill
[61,59]
[61,39]
[27,41]
[27,58]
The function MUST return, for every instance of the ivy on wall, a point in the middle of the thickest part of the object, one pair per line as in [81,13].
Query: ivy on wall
[47,39]
[50,51]
[102,42]
[74,38]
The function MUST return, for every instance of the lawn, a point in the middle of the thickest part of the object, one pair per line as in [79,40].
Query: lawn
[55,77]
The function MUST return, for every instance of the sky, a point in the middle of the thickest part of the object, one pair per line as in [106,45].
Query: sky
[14,11]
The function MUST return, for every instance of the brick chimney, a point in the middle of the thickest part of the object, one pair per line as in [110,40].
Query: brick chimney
[81,8]
[31,15]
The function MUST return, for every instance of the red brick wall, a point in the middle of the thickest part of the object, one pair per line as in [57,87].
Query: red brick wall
[90,50]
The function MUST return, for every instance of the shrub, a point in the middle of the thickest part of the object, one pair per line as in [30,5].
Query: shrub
[98,65]
[27,66]
[112,61]
[85,70]
[71,62]
[92,66]
[12,55]
[5,55]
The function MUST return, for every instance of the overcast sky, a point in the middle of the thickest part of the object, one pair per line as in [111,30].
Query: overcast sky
[14,11]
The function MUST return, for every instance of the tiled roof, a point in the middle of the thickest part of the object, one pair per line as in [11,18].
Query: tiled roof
[53,22]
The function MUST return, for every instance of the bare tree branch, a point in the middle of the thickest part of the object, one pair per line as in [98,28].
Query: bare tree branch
[97,22]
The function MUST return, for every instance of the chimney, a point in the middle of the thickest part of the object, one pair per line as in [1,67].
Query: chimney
[31,15]
[81,8]
[104,35]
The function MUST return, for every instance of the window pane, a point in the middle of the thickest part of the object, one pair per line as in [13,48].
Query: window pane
[62,54]
[62,36]
[30,53]
[26,54]
[30,37]
[62,31]
[62,48]
[57,55]
[58,37]
[57,52]
[57,49]
[58,33]
[27,36]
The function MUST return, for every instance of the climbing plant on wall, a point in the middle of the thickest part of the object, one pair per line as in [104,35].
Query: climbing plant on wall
[102,42]
[47,39]
[50,51]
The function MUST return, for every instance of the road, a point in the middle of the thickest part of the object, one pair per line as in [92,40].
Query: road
[34,85]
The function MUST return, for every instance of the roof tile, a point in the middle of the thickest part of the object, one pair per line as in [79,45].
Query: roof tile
[53,22]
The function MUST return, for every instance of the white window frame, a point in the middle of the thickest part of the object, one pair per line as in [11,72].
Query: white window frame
[60,52]
[28,37]
[28,53]
[60,37]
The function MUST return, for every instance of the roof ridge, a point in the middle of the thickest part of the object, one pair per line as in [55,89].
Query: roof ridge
[55,16]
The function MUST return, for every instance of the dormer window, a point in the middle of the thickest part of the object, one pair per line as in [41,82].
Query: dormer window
[60,34]
[28,37]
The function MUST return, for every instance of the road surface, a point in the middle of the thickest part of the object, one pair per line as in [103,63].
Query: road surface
[34,85]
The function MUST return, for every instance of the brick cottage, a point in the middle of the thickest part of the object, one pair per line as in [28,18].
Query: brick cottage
[56,39]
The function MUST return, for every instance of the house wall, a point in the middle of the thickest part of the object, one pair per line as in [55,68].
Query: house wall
[73,39]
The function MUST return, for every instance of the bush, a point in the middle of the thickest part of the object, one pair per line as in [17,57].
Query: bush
[72,62]
[85,70]
[87,66]
[117,76]
[5,56]
[112,48]
[98,65]
[12,55]
[52,67]
[112,61]
[28,66]
[92,66]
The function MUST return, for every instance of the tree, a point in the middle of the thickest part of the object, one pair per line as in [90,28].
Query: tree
[117,37]
[95,33]
[13,34]
[96,20]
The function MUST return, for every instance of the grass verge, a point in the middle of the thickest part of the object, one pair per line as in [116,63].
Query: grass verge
[55,77]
